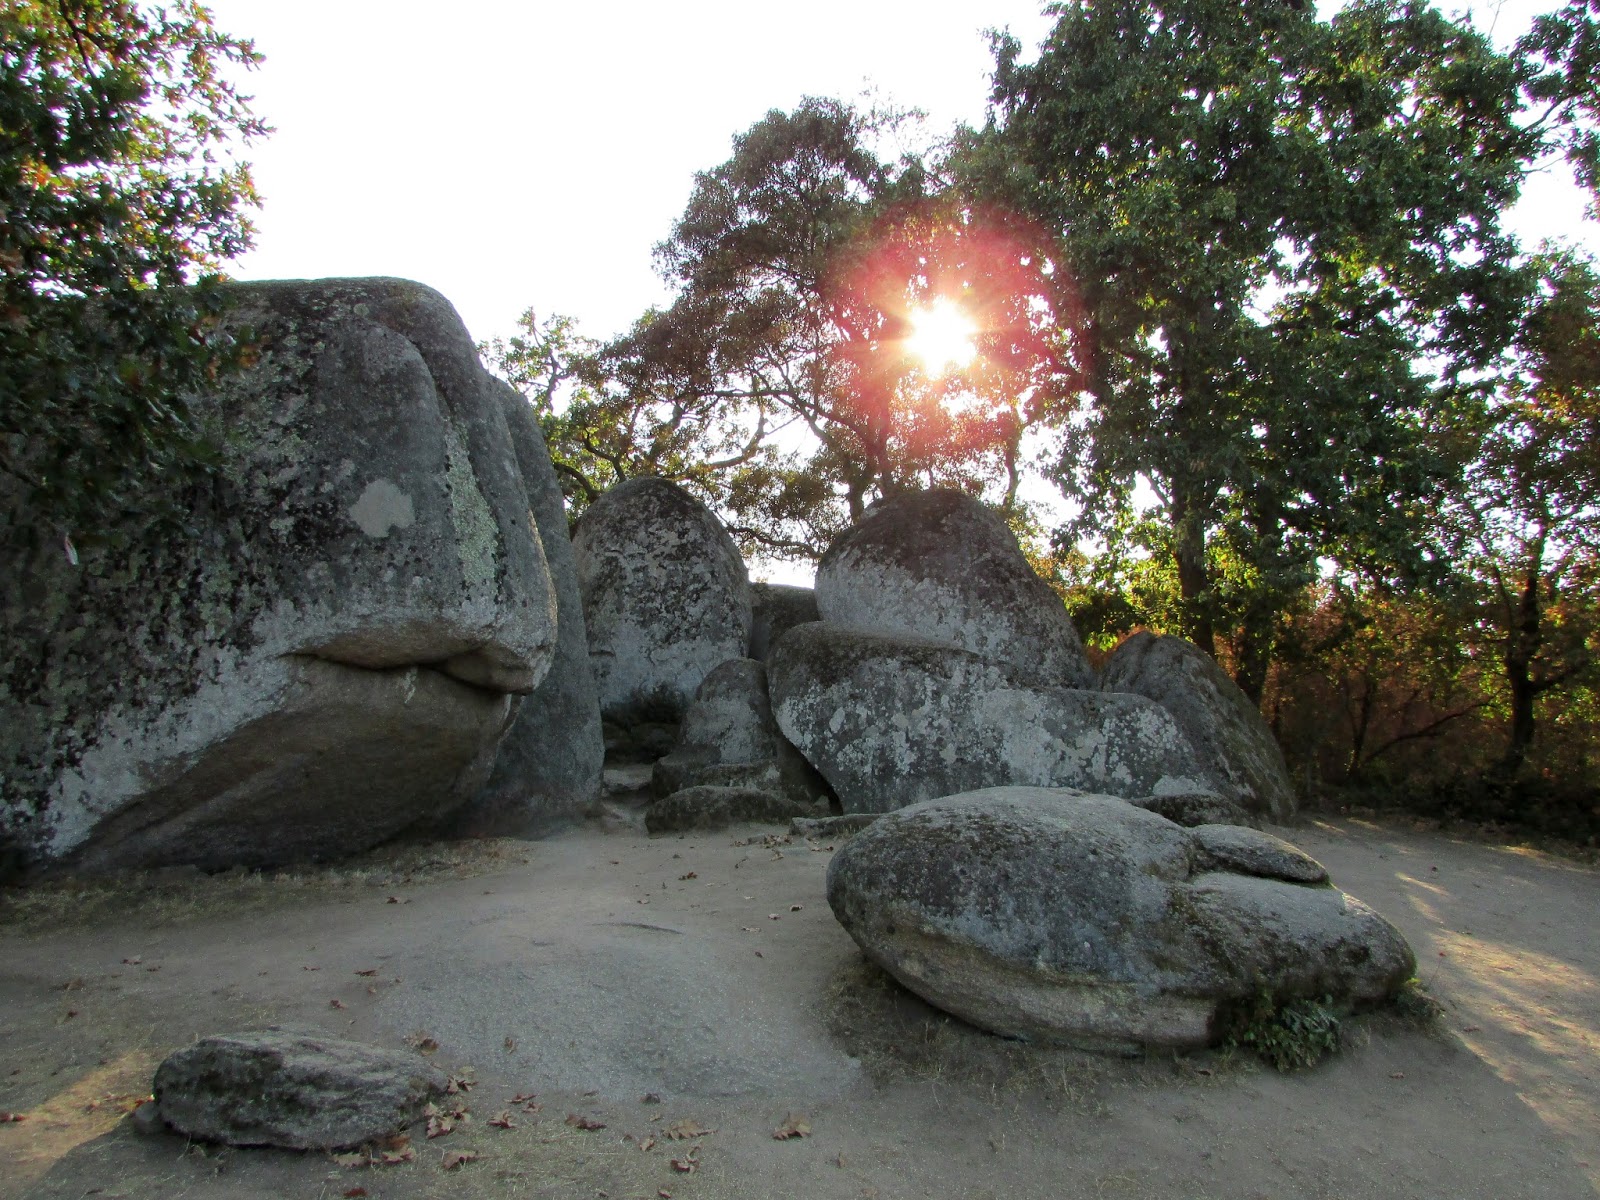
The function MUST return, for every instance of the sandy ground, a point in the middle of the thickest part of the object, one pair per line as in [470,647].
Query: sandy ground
[699,985]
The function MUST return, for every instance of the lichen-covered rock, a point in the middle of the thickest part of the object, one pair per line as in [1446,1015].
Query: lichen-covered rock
[889,722]
[729,739]
[777,608]
[1196,808]
[665,599]
[327,654]
[297,1091]
[1057,916]
[1234,742]
[941,566]
[547,770]
[710,807]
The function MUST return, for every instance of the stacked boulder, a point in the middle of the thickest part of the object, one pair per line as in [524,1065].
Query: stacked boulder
[730,762]
[1052,915]
[333,648]
[942,663]
[666,598]
[332,652]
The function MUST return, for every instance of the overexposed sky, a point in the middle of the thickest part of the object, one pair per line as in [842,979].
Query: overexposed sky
[517,155]
[531,154]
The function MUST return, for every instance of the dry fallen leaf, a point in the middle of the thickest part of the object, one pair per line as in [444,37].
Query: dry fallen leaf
[350,1193]
[689,1163]
[511,1045]
[368,973]
[522,1097]
[578,1122]
[796,907]
[690,875]
[393,900]
[454,1158]
[649,1143]
[440,1125]
[392,1158]
[418,1040]
[463,1082]
[357,1159]
[7,1118]
[335,1003]
[682,1131]
[72,985]
[502,1121]
[1397,1074]
[794,1126]
[774,917]
[132,962]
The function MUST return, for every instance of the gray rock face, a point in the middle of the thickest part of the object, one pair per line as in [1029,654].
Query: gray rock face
[729,738]
[547,770]
[665,599]
[713,807]
[328,656]
[1053,915]
[272,1088]
[941,566]
[776,609]
[1234,742]
[890,722]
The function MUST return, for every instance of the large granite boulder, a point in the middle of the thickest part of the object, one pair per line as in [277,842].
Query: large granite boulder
[729,739]
[1058,916]
[298,1091]
[889,722]
[941,566]
[1234,742]
[328,653]
[548,767]
[777,608]
[665,599]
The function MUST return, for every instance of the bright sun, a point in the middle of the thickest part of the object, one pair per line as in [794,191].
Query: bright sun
[941,336]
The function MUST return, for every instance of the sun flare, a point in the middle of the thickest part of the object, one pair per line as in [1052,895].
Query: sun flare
[941,337]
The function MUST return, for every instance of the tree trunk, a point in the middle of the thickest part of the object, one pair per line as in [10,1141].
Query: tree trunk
[1523,638]
[1194,581]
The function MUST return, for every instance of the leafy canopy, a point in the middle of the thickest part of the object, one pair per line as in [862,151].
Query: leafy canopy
[116,189]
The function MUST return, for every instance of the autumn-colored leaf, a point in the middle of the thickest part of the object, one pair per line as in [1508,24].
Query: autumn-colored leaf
[391,1158]
[393,900]
[522,1097]
[424,1042]
[454,1158]
[132,962]
[502,1121]
[336,1003]
[682,1131]
[440,1125]
[689,875]
[72,985]
[356,1159]
[796,907]
[511,1045]
[7,1118]
[689,1163]
[460,1083]
[649,1143]
[350,1193]
[369,973]
[794,1126]
[578,1122]
[774,917]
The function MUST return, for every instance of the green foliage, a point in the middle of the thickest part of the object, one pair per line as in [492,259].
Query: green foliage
[1291,1036]
[115,192]
[1271,221]
[778,383]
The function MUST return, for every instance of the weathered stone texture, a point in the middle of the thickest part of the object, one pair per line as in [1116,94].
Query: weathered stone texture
[547,770]
[665,598]
[300,1092]
[1054,915]
[941,566]
[360,574]
[889,722]
[776,609]
[1234,742]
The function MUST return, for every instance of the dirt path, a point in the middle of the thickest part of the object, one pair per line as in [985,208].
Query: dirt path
[597,969]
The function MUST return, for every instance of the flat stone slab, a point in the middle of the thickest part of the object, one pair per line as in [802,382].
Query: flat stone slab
[272,1087]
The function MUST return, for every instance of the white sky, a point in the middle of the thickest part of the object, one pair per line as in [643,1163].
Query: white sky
[517,155]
